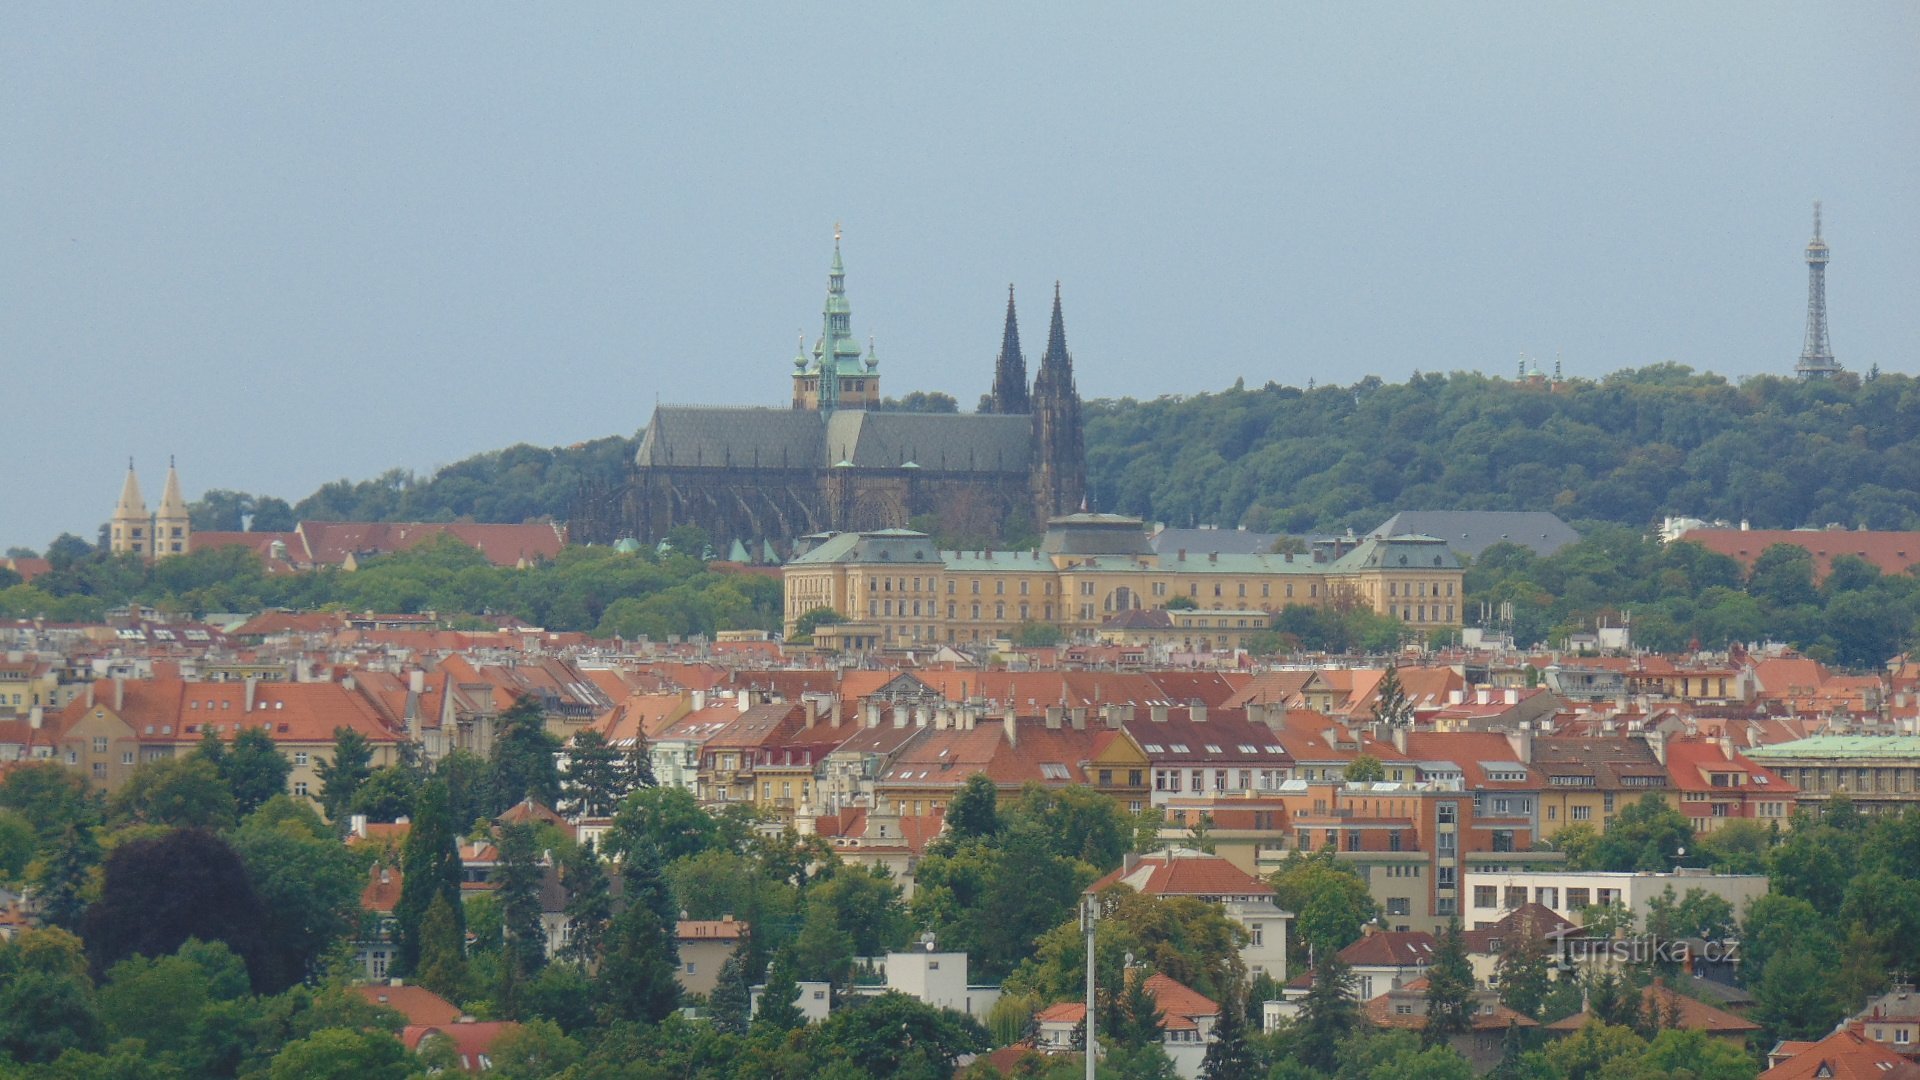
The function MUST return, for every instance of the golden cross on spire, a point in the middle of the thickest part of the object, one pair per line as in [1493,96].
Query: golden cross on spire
[836,233]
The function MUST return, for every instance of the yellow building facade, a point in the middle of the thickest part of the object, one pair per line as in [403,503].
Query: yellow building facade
[902,592]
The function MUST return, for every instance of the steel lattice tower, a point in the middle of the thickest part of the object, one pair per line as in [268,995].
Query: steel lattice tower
[1816,360]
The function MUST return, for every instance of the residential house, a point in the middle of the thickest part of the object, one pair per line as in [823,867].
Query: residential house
[705,944]
[1246,900]
[1715,784]
[1404,1008]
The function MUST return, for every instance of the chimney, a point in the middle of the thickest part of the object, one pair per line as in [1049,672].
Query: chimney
[1077,718]
[1726,747]
[252,689]
[416,681]
[1197,712]
[1157,712]
[1522,743]
[1400,737]
[812,706]
[1456,697]
[1482,696]
[1013,736]
[898,714]
[119,693]
[743,699]
[699,700]
[1119,715]
[873,713]
[1053,717]
[1513,696]
[919,716]
[35,718]
[836,710]
[89,693]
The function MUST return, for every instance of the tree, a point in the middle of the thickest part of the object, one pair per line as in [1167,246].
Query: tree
[308,882]
[17,843]
[667,818]
[1584,1054]
[160,1000]
[589,904]
[1365,769]
[1327,1013]
[342,776]
[1077,822]
[731,995]
[1390,704]
[342,1054]
[779,1010]
[1034,635]
[387,794]
[974,811]
[47,1006]
[430,867]
[895,1035]
[813,619]
[519,895]
[539,1049]
[185,883]
[1231,1055]
[592,781]
[523,755]
[1330,902]
[255,769]
[186,793]
[1644,835]
[441,942]
[1133,1018]
[1450,1006]
[637,980]
[1795,998]
[1524,969]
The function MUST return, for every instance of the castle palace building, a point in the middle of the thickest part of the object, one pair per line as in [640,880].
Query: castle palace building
[762,477]
[894,589]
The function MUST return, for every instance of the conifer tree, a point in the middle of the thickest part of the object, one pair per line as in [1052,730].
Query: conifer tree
[519,893]
[524,765]
[637,978]
[592,781]
[732,998]
[443,950]
[1230,1056]
[1390,704]
[589,905]
[430,867]
[1327,1014]
[342,775]
[1450,1004]
[778,1008]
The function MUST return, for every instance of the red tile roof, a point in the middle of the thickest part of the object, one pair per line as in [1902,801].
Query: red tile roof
[472,1040]
[1844,1055]
[1391,948]
[1892,552]
[417,1003]
[1166,873]
[1691,1015]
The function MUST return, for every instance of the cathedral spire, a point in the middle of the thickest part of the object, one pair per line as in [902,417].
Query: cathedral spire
[1060,481]
[1010,370]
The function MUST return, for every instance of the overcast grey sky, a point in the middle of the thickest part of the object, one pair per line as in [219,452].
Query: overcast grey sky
[297,242]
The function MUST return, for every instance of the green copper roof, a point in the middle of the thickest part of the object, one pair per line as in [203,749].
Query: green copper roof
[1840,747]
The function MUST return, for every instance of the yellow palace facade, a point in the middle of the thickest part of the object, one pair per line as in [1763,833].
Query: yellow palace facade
[896,590]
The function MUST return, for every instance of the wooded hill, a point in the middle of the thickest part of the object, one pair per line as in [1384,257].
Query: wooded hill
[1629,448]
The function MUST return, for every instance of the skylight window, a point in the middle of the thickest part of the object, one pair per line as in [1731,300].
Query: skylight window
[1181,748]
[1212,749]
[1154,748]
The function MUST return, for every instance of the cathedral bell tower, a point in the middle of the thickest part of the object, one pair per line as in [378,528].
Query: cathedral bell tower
[835,376]
[1060,454]
[130,532]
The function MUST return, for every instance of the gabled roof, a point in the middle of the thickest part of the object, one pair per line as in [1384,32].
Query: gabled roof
[1675,1010]
[1844,1055]
[1531,919]
[417,1003]
[1892,552]
[1471,532]
[1184,872]
[1391,948]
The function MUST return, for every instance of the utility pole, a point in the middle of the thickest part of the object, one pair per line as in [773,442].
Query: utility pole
[1089,911]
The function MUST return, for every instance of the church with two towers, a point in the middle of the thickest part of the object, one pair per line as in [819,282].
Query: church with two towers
[761,477]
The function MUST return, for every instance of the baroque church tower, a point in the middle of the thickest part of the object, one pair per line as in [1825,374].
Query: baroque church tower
[1060,453]
[166,531]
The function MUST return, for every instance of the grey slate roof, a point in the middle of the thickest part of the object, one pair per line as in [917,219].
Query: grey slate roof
[1471,532]
[1224,541]
[717,437]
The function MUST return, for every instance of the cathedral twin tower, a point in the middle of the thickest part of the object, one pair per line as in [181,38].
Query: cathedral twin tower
[758,479]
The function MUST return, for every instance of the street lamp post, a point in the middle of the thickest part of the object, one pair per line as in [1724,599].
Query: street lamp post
[1089,912]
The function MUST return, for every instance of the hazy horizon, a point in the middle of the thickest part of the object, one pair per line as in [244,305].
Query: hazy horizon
[293,245]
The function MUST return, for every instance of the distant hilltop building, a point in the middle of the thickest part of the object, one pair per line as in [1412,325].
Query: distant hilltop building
[1816,359]
[835,461]
[168,531]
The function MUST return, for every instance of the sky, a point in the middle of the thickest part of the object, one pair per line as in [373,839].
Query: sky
[291,243]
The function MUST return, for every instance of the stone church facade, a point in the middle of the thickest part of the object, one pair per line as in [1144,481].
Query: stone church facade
[833,462]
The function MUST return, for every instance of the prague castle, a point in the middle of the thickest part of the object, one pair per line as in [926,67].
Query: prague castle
[762,477]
